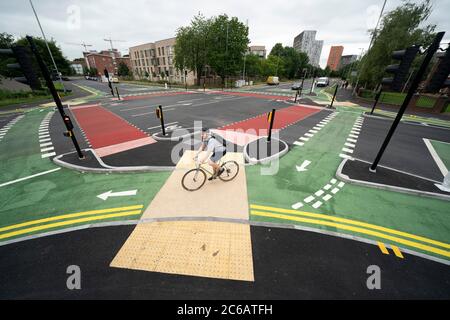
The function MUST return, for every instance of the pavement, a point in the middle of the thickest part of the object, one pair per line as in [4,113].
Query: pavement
[294,224]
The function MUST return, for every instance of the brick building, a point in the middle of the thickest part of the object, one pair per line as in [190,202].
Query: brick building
[334,57]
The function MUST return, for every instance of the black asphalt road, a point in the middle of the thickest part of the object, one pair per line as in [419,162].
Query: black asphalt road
[124,88]
[288,264]
[4,119]
[213,110]
[406,151]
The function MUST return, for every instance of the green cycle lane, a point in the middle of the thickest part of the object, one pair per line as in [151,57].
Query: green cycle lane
[63,198]
[419,216]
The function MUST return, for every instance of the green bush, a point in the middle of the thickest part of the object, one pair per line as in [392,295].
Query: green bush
[6,94]
[397,98]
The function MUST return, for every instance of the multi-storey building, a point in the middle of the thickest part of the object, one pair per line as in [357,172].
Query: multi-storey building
[155,61]
[260,51]
[346,60]
[334,58]
[306,42]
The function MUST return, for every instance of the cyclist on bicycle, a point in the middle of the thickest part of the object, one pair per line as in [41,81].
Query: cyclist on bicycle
[218,150]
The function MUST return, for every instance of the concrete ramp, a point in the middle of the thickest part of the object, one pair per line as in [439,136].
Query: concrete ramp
[216,198]
[197,248]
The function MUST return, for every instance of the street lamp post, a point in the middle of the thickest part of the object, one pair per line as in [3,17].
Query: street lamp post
[48,48]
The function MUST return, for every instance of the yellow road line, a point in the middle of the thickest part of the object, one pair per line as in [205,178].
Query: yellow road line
[71,215]
[354,222]
[68,222]
[382,247]
[413,244]
[397,252]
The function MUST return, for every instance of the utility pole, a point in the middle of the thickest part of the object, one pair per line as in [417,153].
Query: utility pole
[48,48]
[226,54]
[370,44]
[245,56]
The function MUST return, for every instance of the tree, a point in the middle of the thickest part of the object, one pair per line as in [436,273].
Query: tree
[290,62]
[270,66]
[253,65]
[400,28]
[226,43]
[61,62]
[123,70]
[190,46]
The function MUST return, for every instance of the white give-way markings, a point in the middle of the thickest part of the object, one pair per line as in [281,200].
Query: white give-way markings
[322,195]
[45,142]
[28,177]
[350,145]
[308,135]
[5,129]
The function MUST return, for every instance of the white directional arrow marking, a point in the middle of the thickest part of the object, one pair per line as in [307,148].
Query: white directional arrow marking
[303,166]
[109,193]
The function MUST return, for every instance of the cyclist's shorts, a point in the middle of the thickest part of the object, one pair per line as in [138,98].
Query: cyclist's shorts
[217,155]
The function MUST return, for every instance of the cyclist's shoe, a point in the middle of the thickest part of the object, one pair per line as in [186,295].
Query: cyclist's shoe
[212,177]
[221,170]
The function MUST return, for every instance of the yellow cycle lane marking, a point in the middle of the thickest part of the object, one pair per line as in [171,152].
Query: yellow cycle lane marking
[377,234]
[353,222]
[210,249]
[99,214]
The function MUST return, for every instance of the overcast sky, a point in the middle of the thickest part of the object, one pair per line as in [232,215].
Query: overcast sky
[338,22]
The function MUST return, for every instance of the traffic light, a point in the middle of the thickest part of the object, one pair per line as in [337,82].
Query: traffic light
[25,64]
[69,126]
[400,70]
[439,79]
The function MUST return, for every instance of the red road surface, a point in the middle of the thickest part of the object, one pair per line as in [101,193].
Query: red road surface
[103,128]
[283,118]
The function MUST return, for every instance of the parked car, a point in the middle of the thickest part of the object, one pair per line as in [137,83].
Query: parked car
[296,86]
[273,80]
[323,82]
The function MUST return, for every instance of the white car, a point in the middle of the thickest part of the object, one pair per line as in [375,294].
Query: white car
[323,82]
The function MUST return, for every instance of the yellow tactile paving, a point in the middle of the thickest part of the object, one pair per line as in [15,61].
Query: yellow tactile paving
[215,199]
[205,249]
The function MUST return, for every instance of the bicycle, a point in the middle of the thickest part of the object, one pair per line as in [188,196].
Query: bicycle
[194,179]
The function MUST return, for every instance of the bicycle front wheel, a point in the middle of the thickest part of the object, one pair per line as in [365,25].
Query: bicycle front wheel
[231,169]
[193,180]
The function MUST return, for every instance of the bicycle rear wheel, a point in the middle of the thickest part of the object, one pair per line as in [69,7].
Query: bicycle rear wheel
[193,180]
[231,169]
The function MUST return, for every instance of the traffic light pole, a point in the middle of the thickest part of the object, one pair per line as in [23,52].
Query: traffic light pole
[414,85]
[272,117]
[377,97]
[160,115]
[334,96]
[55,95]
